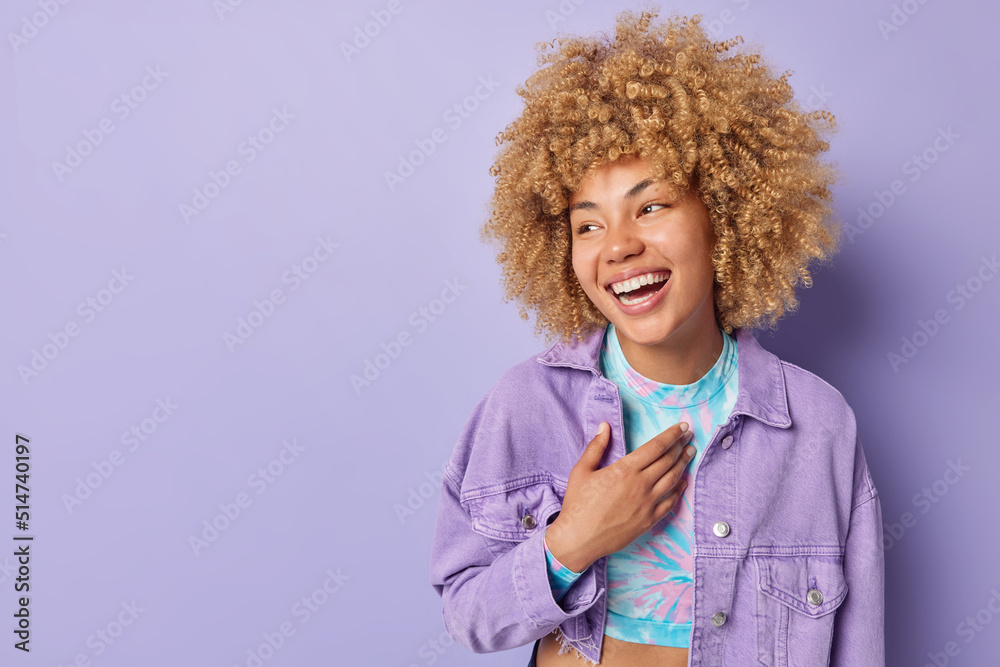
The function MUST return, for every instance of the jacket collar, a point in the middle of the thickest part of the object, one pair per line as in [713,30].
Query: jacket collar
[761,395]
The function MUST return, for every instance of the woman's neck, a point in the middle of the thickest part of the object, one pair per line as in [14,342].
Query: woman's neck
[683,358]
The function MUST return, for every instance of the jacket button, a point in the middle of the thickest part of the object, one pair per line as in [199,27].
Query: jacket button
[528,522]
[727,442]
[814,597]
[718,618]
[721,528]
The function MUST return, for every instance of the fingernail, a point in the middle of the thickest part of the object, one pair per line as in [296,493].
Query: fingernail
[603,426]
[690,450]
[684,426]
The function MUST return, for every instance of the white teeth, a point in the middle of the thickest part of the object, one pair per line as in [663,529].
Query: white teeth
[637,282]
[629,301]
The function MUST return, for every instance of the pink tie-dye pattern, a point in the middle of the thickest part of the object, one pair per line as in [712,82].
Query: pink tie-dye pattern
[639,384]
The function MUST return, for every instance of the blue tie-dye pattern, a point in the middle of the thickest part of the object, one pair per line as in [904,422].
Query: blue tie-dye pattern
[649,581]
[560,576]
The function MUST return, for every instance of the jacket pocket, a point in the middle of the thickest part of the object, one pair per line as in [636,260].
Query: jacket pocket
[512,512]
[797,599]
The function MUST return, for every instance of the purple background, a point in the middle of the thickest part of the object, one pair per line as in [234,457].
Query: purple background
[365,454]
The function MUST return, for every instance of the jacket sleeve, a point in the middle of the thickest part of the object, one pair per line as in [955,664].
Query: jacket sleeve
[560,576]
[496,597]
[859,625]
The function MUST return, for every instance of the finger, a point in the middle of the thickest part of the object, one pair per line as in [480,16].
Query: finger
[656,446]
[669,503]
[677,456]
[670,476]
[666,445]
[591,456]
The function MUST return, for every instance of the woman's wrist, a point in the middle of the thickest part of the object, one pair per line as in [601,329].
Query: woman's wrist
[563,550]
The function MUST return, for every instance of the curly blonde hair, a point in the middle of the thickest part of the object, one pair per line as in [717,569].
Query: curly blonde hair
[724,125]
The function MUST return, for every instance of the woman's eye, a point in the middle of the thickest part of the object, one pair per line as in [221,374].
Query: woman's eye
[583,228]
[648,206]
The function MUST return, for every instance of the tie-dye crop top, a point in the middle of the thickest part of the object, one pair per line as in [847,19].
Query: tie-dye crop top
[649,582]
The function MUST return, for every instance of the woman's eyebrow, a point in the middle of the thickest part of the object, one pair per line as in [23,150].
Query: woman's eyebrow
[631,194]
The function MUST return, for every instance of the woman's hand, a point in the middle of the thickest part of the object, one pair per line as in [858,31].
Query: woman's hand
[605,509]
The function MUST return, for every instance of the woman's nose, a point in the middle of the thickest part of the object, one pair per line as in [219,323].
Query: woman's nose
[622,241]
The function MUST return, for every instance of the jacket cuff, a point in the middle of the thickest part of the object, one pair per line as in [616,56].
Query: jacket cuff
[531,581]
[560,576]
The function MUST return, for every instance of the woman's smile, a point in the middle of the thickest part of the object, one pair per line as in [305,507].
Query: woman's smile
[638,295]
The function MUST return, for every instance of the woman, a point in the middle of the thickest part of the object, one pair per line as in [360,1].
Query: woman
[656,200]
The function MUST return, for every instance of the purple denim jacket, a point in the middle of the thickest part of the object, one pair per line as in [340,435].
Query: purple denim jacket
[788,554]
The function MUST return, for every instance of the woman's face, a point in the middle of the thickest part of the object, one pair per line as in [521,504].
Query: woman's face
[625,225]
